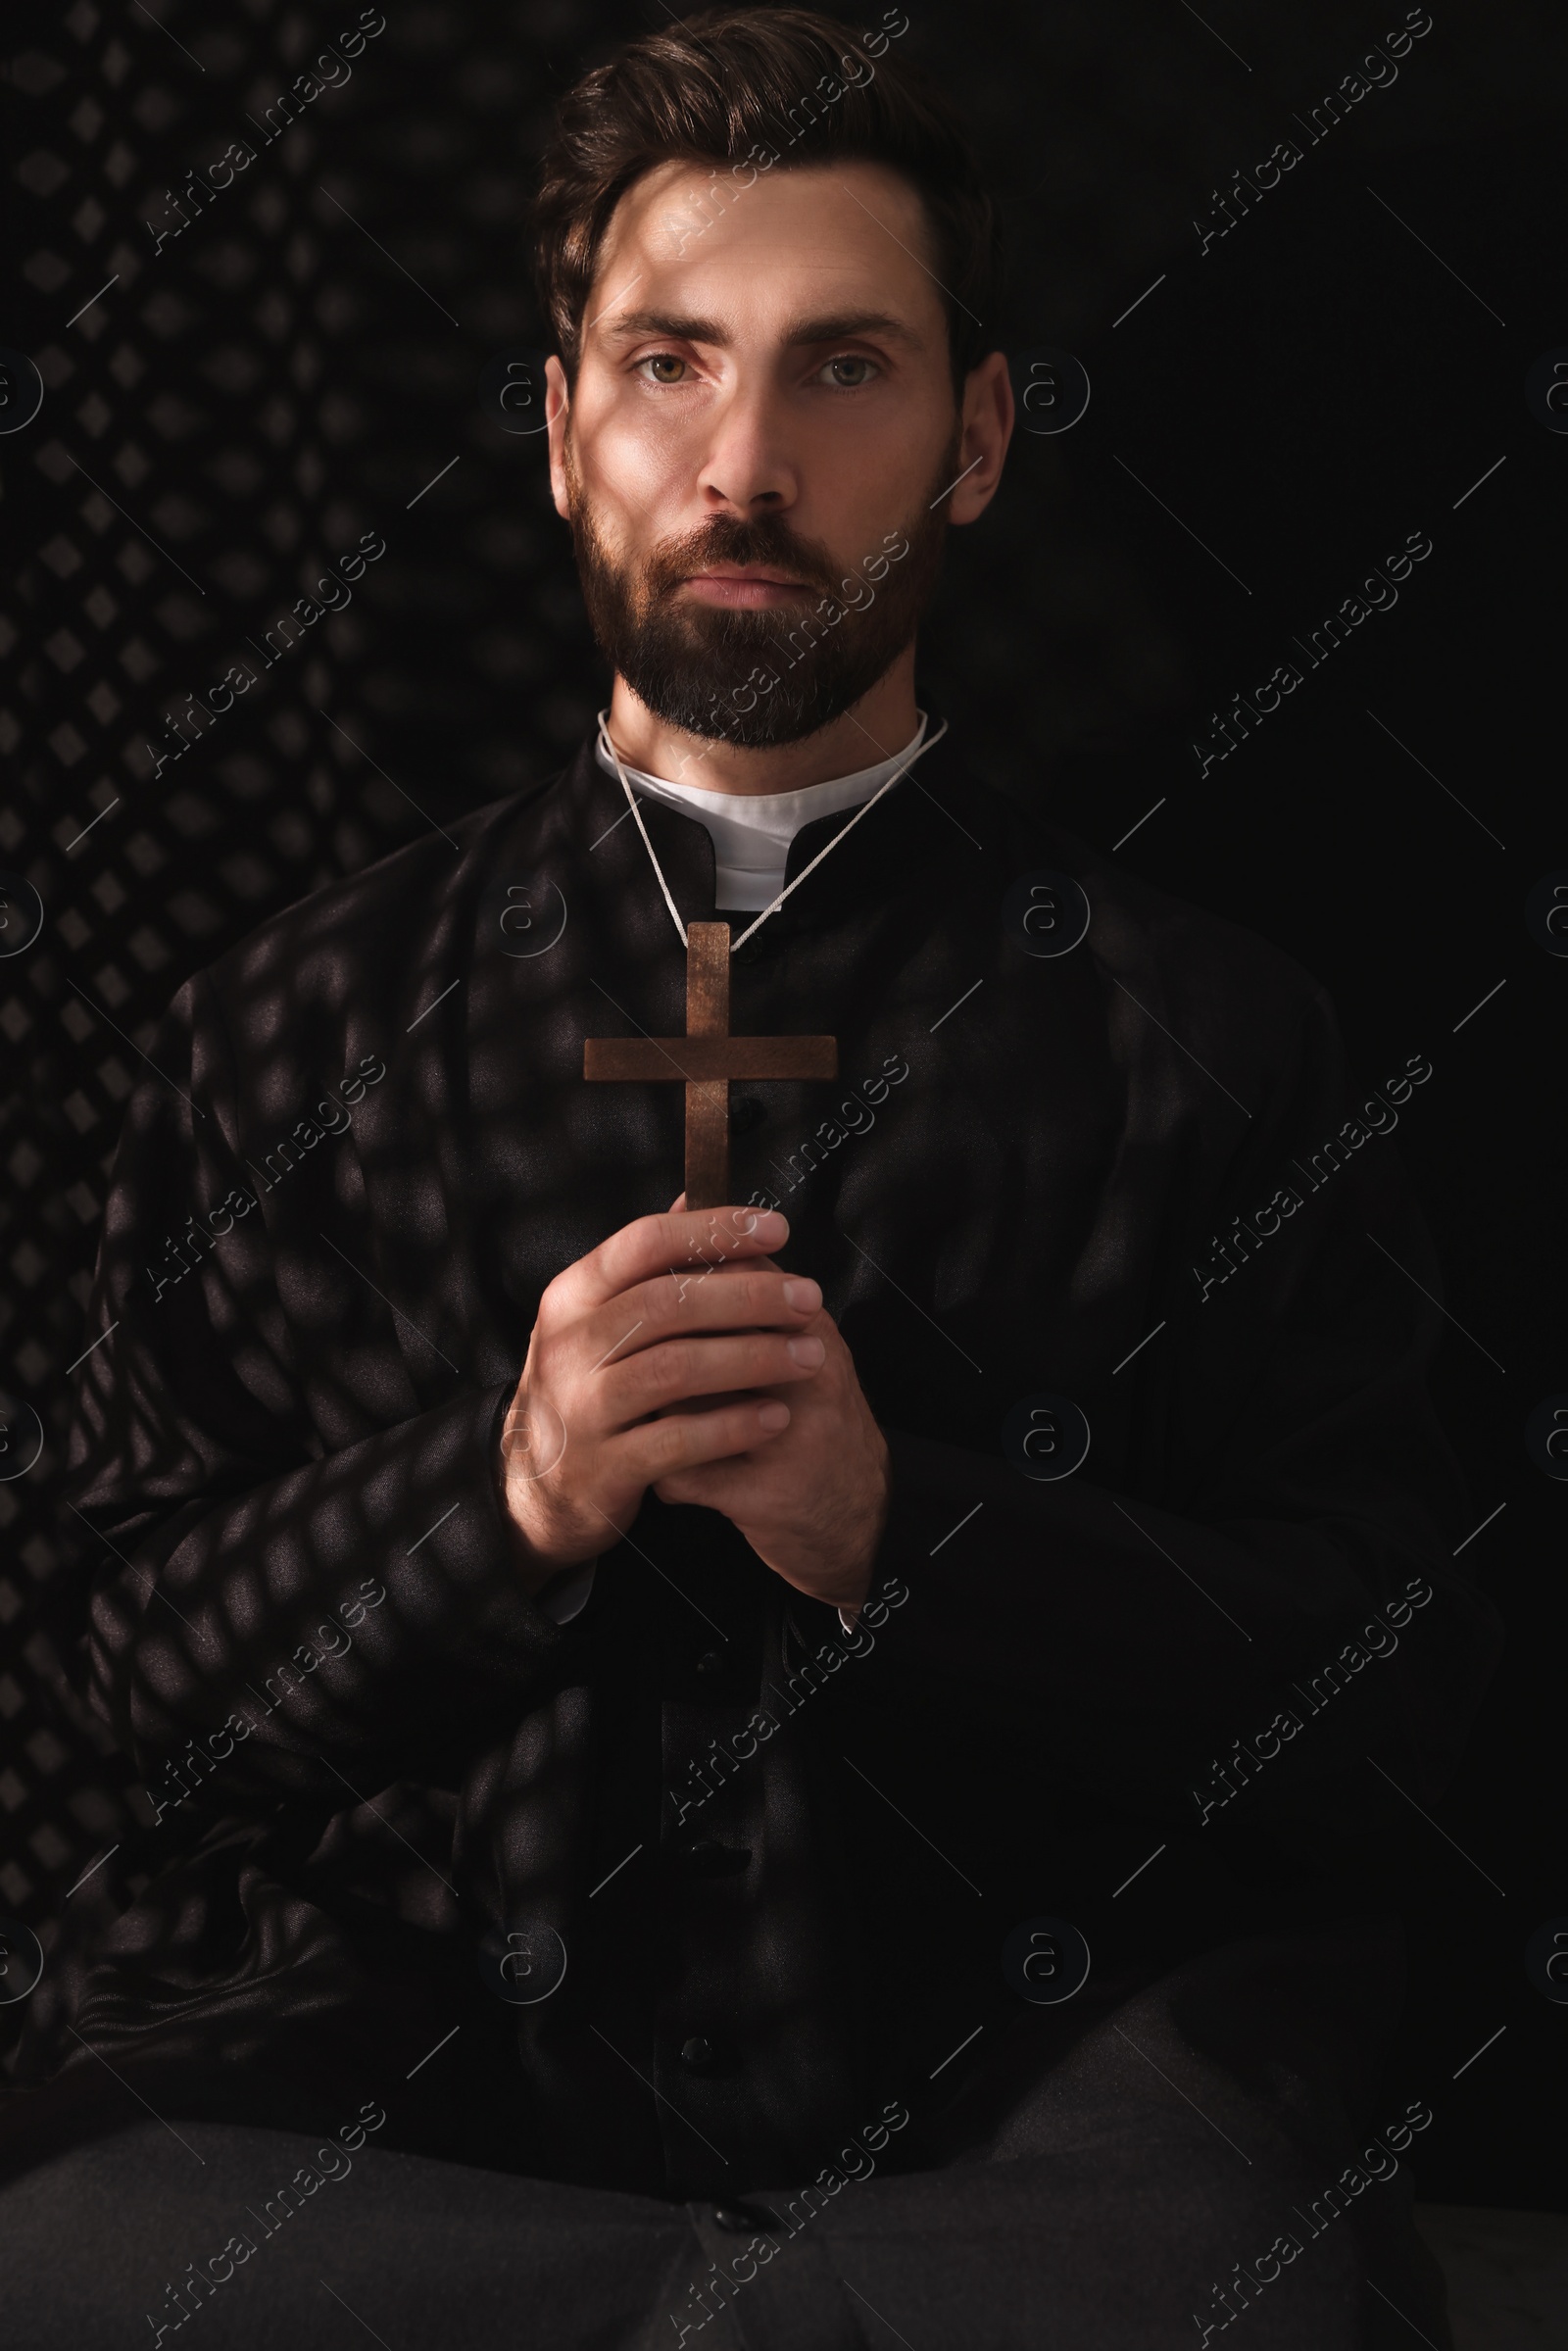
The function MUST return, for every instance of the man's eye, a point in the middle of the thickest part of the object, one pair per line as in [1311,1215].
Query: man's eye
[662,359]
[848,359]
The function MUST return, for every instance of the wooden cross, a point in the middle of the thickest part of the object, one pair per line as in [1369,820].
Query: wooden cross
[706,1059]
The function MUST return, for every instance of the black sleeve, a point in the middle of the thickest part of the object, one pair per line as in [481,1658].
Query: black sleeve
[300,1605]
[1286,1543]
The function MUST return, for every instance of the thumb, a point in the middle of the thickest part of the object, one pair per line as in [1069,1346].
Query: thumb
[770,1264]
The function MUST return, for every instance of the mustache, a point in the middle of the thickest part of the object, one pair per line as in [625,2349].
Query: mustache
[768,543]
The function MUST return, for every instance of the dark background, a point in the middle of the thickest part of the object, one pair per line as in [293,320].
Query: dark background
[1324,381]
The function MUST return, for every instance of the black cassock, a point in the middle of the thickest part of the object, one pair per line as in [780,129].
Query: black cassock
[780,1865]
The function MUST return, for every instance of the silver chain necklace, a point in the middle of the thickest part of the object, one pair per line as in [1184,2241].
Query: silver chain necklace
[865,810]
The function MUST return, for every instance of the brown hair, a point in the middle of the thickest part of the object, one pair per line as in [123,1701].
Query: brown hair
[735,85]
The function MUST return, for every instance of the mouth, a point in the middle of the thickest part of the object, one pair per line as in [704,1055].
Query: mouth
[742,585]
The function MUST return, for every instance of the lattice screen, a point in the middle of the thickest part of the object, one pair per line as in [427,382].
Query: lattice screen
[235,408]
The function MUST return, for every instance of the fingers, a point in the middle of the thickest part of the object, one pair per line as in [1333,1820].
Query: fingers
[745,1296]
[693,1240]
[658,1448]
[662,1376]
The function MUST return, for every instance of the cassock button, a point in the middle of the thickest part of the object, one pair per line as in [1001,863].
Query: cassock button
[699,2054]
[709,1663]
[708,1858]
[745,1113]
[741,2219]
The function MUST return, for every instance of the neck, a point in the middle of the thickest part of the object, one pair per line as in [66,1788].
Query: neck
[878,726]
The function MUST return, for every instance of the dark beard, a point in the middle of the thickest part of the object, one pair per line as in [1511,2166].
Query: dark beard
[707,670]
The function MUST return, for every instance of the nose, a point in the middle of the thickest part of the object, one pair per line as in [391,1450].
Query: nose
[748,468]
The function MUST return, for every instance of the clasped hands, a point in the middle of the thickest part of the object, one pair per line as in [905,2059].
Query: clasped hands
[679,1355]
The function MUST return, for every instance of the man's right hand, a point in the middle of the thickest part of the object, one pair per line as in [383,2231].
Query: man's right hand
[667,1310]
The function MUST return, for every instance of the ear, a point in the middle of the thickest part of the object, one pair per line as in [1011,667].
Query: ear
[987,418]
[557,403]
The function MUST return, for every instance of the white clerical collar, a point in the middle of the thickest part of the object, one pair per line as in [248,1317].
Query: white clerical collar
[751,836]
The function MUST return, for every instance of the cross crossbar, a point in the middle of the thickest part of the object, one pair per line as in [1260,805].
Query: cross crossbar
[706,1059]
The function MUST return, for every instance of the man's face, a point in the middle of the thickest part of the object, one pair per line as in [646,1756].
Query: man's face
[763,418]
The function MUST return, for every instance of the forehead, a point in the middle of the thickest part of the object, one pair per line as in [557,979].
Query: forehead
[698,238]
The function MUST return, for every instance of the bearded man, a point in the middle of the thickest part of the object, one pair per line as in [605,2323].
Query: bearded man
[768,1736]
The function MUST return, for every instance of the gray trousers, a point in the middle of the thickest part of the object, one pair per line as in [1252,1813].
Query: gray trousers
[1180,2172]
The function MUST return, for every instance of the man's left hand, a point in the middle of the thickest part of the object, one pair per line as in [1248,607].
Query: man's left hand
[814,1500]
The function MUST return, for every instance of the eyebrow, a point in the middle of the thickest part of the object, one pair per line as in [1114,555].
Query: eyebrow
[835,326]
